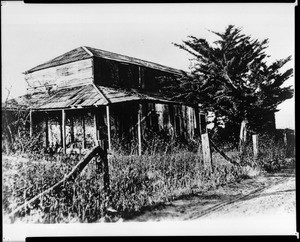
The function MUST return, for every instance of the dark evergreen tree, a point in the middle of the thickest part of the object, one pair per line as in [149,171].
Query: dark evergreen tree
[231,78]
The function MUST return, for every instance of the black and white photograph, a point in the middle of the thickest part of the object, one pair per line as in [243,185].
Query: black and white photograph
[148,119]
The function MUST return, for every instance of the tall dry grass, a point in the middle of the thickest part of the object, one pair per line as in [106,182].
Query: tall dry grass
[164,172]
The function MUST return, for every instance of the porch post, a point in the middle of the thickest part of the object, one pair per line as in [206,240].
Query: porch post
[139,130]
[31,123]
[197,120]
[46,131]
[72,130]
[97,138]
[83,131]
[108,127]
[63,123]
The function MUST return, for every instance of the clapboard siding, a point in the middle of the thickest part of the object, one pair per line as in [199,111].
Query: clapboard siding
[63,76]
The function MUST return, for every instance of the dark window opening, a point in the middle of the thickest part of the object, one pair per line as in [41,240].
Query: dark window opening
[129,75]
[149,80]
[106,72]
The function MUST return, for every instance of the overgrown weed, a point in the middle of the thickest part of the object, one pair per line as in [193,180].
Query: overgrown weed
[163,173]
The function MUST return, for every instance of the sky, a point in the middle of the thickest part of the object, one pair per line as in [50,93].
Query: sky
[35,33]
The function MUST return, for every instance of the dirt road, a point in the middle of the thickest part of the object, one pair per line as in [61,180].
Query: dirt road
[270,194]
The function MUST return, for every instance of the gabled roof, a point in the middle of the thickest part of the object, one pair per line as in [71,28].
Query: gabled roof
[71,56]
[79,97]
[131,60]
[85,52]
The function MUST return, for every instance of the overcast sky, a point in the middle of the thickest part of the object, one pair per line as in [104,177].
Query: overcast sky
[35,33]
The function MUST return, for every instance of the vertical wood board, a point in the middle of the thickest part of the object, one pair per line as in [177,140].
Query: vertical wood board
[139,130]
[108,127]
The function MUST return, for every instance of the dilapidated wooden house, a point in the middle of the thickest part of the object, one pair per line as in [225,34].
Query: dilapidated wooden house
[88,95]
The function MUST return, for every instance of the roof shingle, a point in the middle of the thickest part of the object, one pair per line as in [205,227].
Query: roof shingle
[79,97]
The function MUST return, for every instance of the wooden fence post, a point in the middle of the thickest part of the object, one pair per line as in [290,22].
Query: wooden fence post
[71,176]
[255,146]
[206,152]
[243,135]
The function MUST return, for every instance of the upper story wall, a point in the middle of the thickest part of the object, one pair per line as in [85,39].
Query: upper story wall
[101,71]
[119,74]
[63,76]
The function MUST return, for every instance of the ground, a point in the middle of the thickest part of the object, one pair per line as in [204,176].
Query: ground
[264,195]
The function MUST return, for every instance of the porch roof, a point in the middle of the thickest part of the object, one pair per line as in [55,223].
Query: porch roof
[80,97]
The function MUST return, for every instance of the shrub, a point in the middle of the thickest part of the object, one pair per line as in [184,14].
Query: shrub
[272,156]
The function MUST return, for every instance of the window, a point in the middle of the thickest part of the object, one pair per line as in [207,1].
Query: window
[129,75]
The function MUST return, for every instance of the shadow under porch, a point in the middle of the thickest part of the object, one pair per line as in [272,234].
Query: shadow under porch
[123,125]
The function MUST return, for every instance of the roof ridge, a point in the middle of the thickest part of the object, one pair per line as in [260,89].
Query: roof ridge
[85,48]
[84,52]
[101,93]
[130,57]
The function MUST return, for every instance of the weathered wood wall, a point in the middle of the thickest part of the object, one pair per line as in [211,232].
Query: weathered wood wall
[116,74]
[80,128]
[67,75]
[156,117]
[85,127]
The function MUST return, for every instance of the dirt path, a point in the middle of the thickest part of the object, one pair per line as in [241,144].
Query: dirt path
[272,194]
